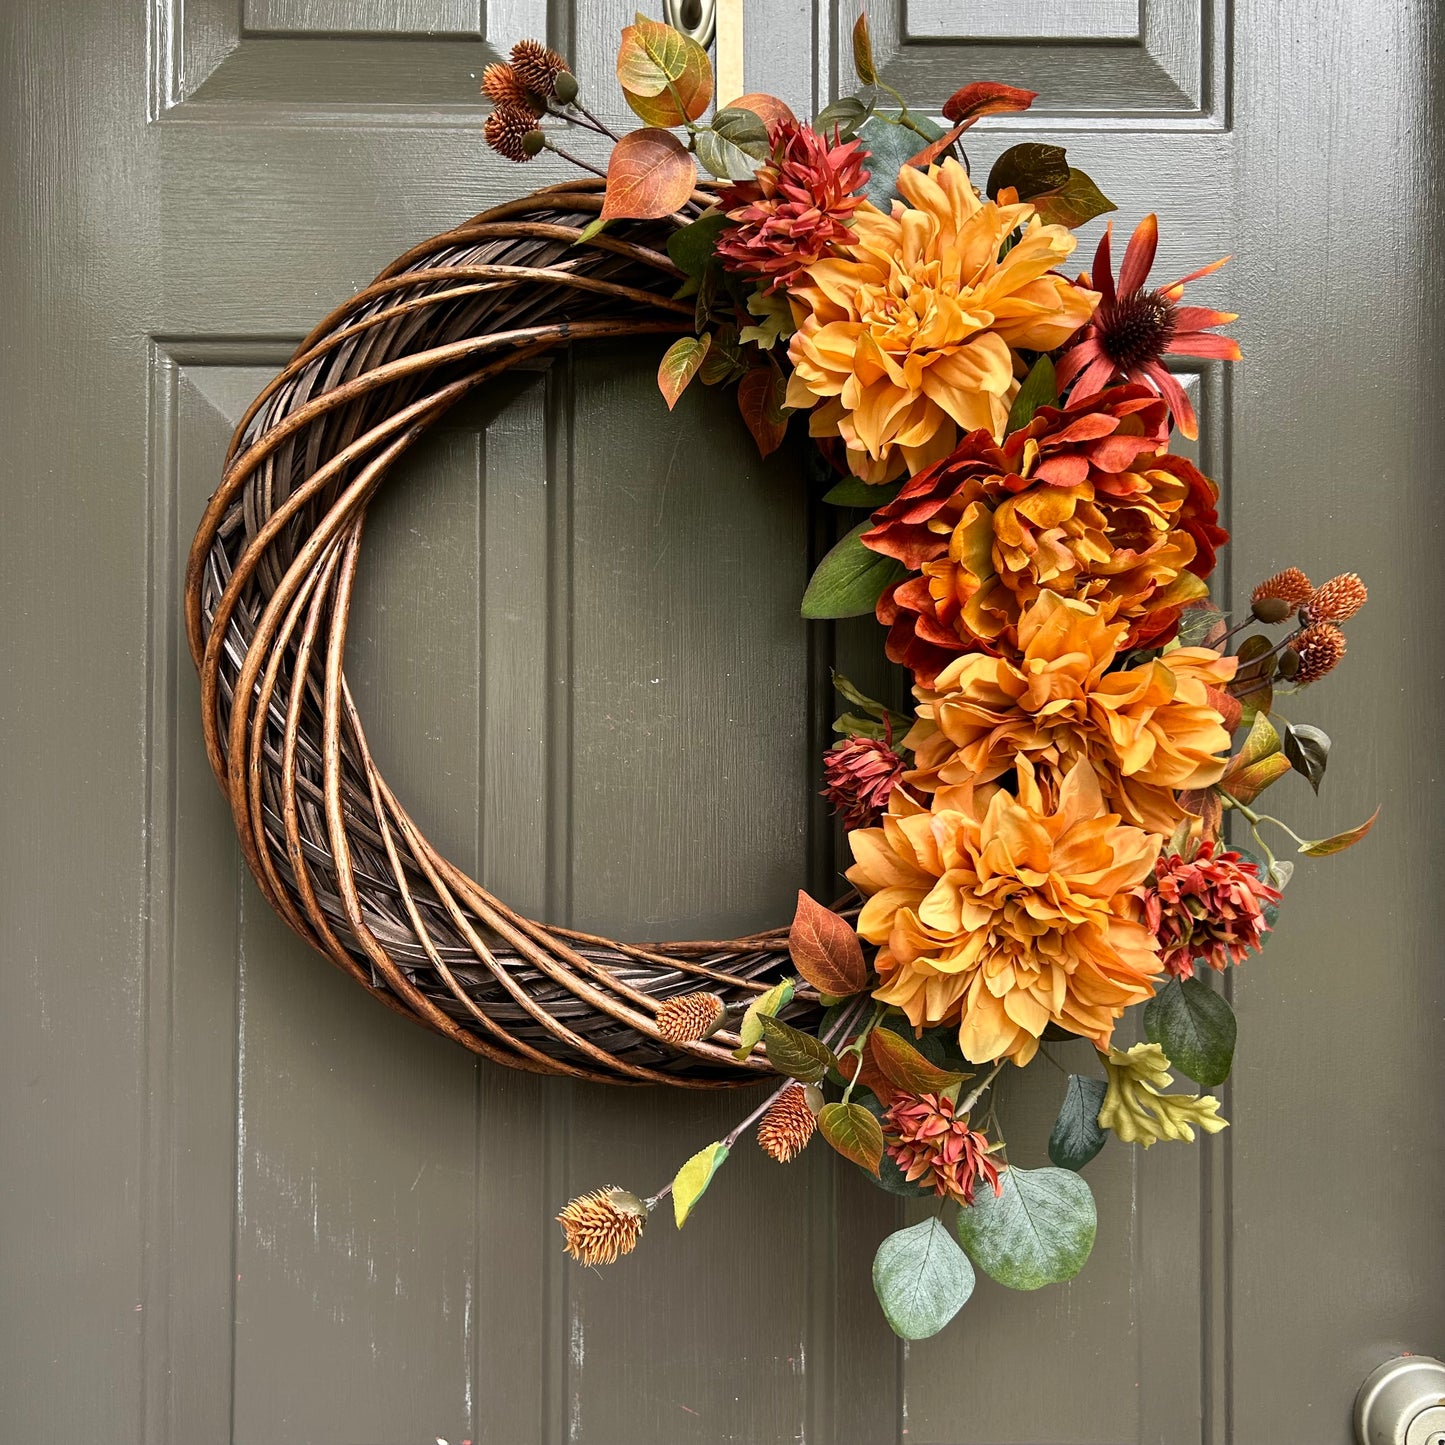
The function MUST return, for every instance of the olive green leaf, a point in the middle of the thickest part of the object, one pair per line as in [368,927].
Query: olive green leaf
[855,492]
[750,1031]
[690,1182]
[922,1279]
[776,317]
[1323,847]
[854,1133]
[1139,1112]
[1308,751]
[1076,1136]
[792,1052]
[1076,201]
[1030,168]
[680,363]
[1195,1027]
[844,116]
[1038,1231]
[690,248]
[734,145]
[863,64]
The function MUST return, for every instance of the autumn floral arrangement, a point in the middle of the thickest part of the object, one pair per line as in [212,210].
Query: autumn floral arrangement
[1039,842]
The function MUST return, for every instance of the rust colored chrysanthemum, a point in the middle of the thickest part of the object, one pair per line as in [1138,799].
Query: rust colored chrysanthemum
[506,130]
[690,1017]
[785,1129]
[1319,649]
[1208,905]
[861,773]
[1291,587]
[1337,600]
[599,1228]
[794,207]
[503,86]
[538,67]
[934,1146]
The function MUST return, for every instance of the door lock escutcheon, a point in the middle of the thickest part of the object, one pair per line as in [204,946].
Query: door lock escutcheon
[697,18]
[1402,1403]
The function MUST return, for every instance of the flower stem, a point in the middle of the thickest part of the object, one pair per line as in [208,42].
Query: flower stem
[568,156]
[971,1099]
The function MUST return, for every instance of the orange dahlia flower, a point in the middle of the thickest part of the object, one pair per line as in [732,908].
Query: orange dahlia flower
[1144,731]
[1084,501]
[904,336]
[1003,916]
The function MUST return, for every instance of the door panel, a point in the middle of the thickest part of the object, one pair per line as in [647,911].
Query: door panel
[241,1202]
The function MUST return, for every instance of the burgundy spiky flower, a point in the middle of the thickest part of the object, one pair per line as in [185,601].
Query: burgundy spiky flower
[1206,904]
[795,207]
[861,774]
[1133,329]
[932,1145]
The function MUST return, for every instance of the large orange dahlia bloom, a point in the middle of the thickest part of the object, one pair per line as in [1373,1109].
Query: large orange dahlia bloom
[904,336]
[1144,731]
[1085,501]
[999,914]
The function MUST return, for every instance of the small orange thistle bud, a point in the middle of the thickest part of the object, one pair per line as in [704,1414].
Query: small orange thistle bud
[784,1131]
[506,130]
[1319,647]
[503,86]
[1291,587]
[1338,600]
[599,1228]
[691,1017]
[538,67]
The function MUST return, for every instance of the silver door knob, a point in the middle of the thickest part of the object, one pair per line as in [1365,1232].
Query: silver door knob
[697,18]
[1402,1403]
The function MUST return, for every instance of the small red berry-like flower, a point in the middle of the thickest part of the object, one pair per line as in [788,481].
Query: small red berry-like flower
[934,1146]
[1134,329]
[861,774]
[795,207]
[1208,905]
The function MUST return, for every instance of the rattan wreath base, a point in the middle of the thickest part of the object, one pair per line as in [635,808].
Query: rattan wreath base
[268,592]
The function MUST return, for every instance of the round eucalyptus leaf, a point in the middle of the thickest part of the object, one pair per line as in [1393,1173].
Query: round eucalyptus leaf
[1038,1231]
[922,1279]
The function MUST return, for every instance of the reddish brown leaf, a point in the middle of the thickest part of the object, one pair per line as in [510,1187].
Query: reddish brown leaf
[1206,805]
[825,949]
[982,97]
[905,1068]
[986,97]
[869,1075]
[650,175]
[863,63]
[1226,705]
[760,399]
[767,107]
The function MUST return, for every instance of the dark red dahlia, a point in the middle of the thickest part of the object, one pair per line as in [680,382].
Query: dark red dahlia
[795,207]
[861,775]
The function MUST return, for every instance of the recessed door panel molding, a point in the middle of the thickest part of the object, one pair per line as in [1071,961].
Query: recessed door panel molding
[1156,61]
[464,19]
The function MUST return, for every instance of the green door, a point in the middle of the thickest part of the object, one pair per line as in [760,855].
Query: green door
[242,1203]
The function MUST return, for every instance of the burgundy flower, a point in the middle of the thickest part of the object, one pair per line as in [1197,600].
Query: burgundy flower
[1207,906]
[933,1146]
[795,207]
[861,775]
[1133,329]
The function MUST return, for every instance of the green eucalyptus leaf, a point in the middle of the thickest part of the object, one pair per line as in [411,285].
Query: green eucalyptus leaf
[845,114]
[792,1052]
[1040,388]
[690,1182]
[1195,1027]
[1076,1136]
[734,145]
[922,1279]
[850,579]
[1308,751]
[890,146]
[1038,1231]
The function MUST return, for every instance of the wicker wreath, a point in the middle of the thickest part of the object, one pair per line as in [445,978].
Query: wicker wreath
[268,596]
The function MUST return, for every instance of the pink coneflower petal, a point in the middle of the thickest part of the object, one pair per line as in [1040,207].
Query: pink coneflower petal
[1104,267]
[1074,360]
[1175,288]
[1174,394]
[1139,256]
[1201,318]
[1204,344]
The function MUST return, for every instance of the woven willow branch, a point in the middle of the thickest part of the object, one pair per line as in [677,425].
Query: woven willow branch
[268,594]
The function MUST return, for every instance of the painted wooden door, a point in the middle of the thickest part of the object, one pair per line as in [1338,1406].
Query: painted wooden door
[242,1203]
